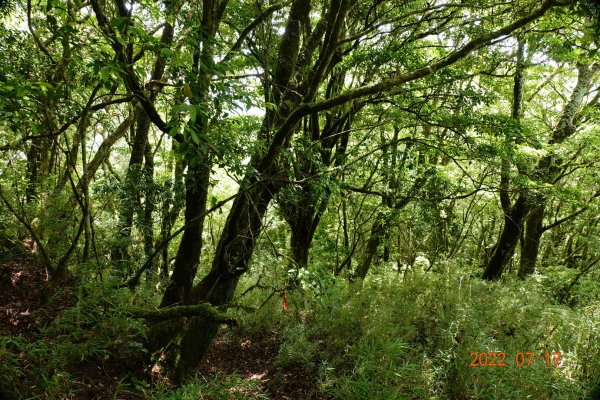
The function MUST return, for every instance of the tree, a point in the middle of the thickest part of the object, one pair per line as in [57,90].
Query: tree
[546,170]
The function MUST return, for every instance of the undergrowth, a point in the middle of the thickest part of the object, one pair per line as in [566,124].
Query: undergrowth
[96,332]
[220,386]
[415,337]
[392,337]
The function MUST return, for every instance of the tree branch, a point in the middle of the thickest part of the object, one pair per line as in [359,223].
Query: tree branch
[127,72]
[389,84]
[571,216]
[244,34]
[133,282]
[204,310]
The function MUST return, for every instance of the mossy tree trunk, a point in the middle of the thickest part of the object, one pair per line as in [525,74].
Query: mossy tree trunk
[291,88]
[197,178]
[244,222]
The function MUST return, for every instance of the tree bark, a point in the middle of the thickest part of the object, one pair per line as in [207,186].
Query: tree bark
[507,242]
[300,240]
[174,192]
[190,247]
[131,189]
[138,176]
[149,204]
[513,214]
[230,261]
[531,244]
[244,222]
[377,231]
[190,334]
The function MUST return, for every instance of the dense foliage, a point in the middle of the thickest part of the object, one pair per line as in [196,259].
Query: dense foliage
[392,191]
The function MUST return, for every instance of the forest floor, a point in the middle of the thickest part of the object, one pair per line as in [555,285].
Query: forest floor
[21,294]
[253,358]
[28,303]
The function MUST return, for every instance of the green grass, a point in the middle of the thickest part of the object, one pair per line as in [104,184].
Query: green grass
[412,338]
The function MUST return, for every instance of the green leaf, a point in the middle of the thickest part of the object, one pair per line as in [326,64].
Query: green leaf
[22,91]
[195,137]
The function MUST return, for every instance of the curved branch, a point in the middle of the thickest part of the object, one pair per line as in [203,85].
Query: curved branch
[35,38]
[571,216]
[133,282]
[127,72]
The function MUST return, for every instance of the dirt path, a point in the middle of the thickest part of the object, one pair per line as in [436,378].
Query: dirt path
[253,358]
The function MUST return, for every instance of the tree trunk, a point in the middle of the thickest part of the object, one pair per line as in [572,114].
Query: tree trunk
[300,241]
[233,253]
[164,335]
[515,214]
[33,166]
[303,211]
[505,247]
[195,334]
[188,254]
[131,187]
[303,217]
[171,206]
[546,170]
[531,245]
[377,232]
[149,204]
[135,181]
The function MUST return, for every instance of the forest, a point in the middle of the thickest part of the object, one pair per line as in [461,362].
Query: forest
[299,199]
